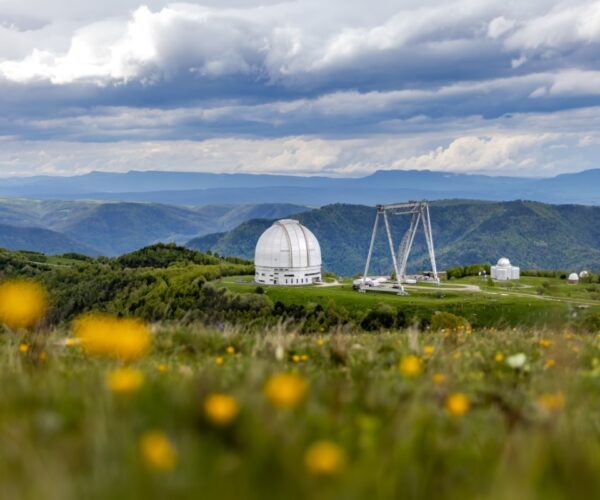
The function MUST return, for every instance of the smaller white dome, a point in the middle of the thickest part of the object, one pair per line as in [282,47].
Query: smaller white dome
[584,274]
[573,277]
[503,262]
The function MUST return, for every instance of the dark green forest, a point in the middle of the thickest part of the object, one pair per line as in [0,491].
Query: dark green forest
[533,235]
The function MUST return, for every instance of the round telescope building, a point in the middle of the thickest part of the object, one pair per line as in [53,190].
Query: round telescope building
[504,271]
[287,254]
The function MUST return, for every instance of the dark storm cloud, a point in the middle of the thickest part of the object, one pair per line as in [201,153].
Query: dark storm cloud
[198,71]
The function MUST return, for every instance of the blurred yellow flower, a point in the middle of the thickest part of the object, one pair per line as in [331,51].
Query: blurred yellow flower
[105,335]
[125,380]
[545,343]
[230,349]
[22,303]
[69,342]
[296,358]
[457,404]
[438,378]
[220,409]
[552,402]
[219,360]
[162,368]
[411,366]
[324,458]
[428,350]
[499,357]
[285,390]
[157,451]
[23,348]
[304,357]
[42,356]
[320,342]
[550,363]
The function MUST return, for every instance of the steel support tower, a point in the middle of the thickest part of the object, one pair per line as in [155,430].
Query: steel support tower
[419,212]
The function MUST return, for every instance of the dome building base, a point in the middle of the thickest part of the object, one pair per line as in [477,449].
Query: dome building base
[287,254]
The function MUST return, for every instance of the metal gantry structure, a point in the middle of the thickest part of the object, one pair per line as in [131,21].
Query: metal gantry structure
[419,212]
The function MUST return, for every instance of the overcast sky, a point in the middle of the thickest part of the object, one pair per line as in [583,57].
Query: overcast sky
[336,87]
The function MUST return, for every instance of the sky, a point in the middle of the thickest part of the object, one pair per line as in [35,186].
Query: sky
[340,88]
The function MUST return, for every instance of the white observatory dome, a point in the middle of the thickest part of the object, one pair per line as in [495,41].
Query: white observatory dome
[503,262]
[584,274]
[573,278]
[287,253]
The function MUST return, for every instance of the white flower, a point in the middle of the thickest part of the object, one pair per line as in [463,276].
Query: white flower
[516,360]
[279,353]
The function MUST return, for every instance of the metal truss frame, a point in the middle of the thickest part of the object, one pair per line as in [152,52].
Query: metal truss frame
[419,212]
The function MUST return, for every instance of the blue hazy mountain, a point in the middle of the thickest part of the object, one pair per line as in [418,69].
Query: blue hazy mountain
[37,239]
[56,226]
[181,188]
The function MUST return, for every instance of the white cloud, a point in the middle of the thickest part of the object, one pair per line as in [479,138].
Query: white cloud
[272,41]
[565,24]
[499,26]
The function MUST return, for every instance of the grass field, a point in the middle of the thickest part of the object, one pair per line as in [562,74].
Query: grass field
[494,414]
[501,307]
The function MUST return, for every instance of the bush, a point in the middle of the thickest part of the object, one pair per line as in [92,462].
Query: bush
[449,322]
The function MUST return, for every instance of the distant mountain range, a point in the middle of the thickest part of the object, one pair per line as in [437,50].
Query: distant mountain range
[386,186]
[531,234]
[95,228]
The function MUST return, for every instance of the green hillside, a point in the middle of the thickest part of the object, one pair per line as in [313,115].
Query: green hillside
[533,235]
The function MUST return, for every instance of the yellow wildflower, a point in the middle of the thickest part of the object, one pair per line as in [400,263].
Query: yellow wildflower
[411,366]
[552,402]
[285,390]
[428,350]
[438,378]
[105,335]
[22,303]
[457,404]
[296,358]
[23,348]
[304,357]
[220,409]
[162,368]
[324,458]
[545,343]
[320,342]
[42,356]
[219,360]
[499,357]
[69,341]
[550,363]
[157,451]
[230,349]
[125,380]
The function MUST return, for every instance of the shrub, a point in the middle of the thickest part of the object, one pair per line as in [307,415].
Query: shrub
[448,321]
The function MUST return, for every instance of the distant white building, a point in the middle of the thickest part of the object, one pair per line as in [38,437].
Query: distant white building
[573,278]
[504,271]
[287,254]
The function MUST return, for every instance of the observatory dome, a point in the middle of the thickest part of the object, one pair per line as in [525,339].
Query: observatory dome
[573,278]
[287,253]
[504,270]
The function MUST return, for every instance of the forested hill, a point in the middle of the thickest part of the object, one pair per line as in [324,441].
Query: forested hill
[531,234]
